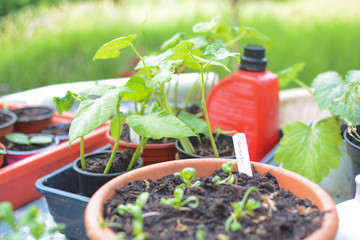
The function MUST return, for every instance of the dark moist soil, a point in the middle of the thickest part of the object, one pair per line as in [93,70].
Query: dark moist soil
[193,109]
[30,114]
[4,119]
[57,130]
[97,163]
[125,136]
[281,215]
[22,147]
[205,148]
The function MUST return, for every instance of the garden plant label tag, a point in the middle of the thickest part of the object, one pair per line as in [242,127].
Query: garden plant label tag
[134,137]
[242,153]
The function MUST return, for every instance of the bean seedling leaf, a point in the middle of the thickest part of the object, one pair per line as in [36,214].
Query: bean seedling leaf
[40,139]
[285,76]
[112,49]
[196,124]
[18,138]
[140,90]
[154,61]
[172,41]
[220,52]
[6,214]
[64,103]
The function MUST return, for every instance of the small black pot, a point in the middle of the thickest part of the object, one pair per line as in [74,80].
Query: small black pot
[91,182]
[353,149]
[194,141]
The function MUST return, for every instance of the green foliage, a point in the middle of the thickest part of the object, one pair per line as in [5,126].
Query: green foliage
[176,202]
[188,175]
[241,209]
[196,124]
[228,168]
[112,48]
[20,138]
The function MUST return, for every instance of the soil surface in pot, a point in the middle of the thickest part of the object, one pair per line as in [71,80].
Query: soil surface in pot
[205,148]
[281,215]
[30,114]
[125,136]
[23,147]
[97,163]
[194,109]
[4,119]
[57,130]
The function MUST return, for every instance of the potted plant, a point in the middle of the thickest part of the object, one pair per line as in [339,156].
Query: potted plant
[184,201]
[33,119]
[312,150]
[7,123]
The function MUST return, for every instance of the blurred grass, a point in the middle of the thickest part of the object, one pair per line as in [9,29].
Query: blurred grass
[42,46]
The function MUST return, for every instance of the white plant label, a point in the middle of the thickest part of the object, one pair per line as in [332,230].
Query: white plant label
[134,137]
[242,153]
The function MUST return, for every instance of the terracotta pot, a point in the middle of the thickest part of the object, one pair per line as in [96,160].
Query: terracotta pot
[298,185]
[2,155]
[153,153]
[34,126]
[7,127]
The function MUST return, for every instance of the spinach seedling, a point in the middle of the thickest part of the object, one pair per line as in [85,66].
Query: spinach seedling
[176,202]
[200,233]
[188,175]
[228,168]
[241,209]
[31,218]
[136,211]
[20,138]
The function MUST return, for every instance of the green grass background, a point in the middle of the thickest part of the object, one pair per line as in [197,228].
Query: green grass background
[48,45]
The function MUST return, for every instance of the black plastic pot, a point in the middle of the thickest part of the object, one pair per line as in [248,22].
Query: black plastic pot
[90,182]
[194,141]
[353,149]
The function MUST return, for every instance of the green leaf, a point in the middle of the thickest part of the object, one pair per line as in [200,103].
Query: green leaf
[64,103]
[18,138]
[6,214]
[40,139]
[140,90]
[199,42]
[93,113]
[346,111]
[34,219]
[213,63]
[98,90]
[249,32]
[167,70]
[154,61]
[197,125]
[142,198]
[328,86]
[172,41]
[112,48]
[287,75]
[205,27]
[158,125]
[182,51]
[220,52]
[114,127]
[310,151]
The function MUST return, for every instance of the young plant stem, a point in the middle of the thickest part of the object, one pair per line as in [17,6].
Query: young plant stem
[82,154]
[175,93]
[303,85]
[138,151]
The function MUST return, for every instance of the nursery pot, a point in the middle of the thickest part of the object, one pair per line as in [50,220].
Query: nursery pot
[14,156]
[353,149]
[38,118]
[153,153]
[298,185]
[8,126]
[2,155]
[60,131]
[90,182]
[194,140]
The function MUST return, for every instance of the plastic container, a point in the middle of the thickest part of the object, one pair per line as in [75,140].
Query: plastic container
[248,101]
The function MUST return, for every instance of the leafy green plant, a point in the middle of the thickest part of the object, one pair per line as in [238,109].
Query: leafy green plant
[311,150]
[200,233]
[241,209]
[136,211]
[228,168]
[31,218]
[176,202]
[188,175]
[20,138]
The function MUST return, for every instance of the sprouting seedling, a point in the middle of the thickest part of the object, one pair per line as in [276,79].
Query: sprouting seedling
[20,138]
[220,131]
[188,175]
[227,167]
[241,209]
[31,218]
[200,233]
[176,202]
[136,211]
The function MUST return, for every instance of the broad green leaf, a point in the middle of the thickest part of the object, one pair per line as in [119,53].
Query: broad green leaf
[249,32]
[167,70]
[154,61]
[220,53]
[34,219]
[112,48]
[287,75]
[39,139]
[199,42]
[64,103]
[346,111]
[18,138]
[212,63]
[140,90]
[158,125]
[6,214]
[352,80]
[115,131]
[205,27]
[172,41]
[98,90]
[92,113]
[308,151]
[328,86]
[182,51]
[197,125]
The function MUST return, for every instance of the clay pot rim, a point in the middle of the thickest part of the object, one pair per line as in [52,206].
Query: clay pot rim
[94,209]
[41,117]
[16,153]
[75,166]
[134,145]
[11,122]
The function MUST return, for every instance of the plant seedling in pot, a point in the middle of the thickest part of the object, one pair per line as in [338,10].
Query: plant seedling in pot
[20,138]
[188,176]
[176,202]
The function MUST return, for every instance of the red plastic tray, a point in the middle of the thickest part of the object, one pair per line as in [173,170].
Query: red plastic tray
[17,181]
